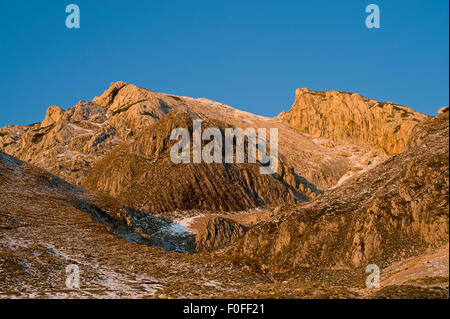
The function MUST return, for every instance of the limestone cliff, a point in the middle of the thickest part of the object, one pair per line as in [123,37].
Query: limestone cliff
[351,117]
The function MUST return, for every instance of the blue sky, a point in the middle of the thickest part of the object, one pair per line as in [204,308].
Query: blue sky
[248,54]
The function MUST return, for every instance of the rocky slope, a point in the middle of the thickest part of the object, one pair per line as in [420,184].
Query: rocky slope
[47,224]
[20,182]
[351,117]
[218,232]
[142,175]
[396,210]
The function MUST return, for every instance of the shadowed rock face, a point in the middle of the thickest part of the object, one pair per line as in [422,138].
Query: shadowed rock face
[350,117]
[396,210]
[142,175]
[218,232]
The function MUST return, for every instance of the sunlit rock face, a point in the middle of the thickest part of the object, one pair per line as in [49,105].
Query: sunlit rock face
[351,117]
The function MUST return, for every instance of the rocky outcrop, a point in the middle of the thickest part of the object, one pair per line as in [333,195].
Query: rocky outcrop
[54,115]
[351,117]
[396,210]
[66,142]
[443,110]
[218,232]
[132,109]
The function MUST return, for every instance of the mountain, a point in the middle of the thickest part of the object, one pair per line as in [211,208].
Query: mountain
[73,144]
[68,142]
[397,210]
[358,182]
[351,117]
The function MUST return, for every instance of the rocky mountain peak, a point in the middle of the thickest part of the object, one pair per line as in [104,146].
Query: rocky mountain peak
[120,96]
[443,110]
[108,96]
[54,114]
[351,117]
